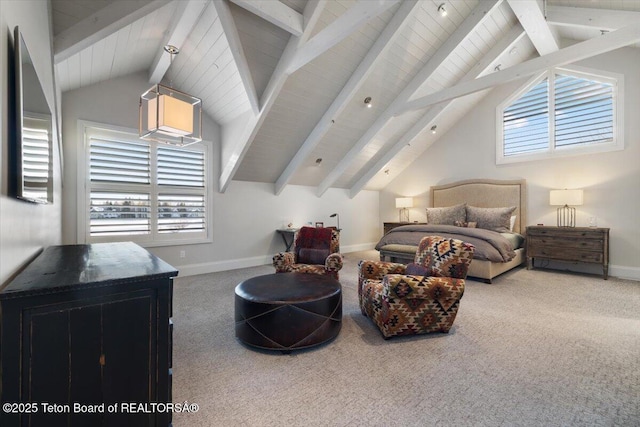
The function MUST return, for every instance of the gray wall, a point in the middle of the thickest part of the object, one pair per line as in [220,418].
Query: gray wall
[611,181]
[26,228]
[245,217]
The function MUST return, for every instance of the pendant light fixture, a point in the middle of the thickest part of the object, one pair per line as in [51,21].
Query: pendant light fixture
[170,116]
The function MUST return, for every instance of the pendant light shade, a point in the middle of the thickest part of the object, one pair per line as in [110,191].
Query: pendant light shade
[170,116]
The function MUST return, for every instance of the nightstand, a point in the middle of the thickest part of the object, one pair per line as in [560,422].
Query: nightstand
[577,244]
[388,226]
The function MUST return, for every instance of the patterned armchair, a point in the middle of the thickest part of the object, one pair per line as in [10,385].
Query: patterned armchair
[416,298]
[316,250]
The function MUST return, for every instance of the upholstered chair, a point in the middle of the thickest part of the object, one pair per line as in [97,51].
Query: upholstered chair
[417,298]
[316,250]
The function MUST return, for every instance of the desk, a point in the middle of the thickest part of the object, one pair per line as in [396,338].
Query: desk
[288,236]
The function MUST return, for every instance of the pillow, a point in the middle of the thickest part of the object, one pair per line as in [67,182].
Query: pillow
[496,219]
[414,269]
[312,256]
[465,224]
[512,222]
[446,216]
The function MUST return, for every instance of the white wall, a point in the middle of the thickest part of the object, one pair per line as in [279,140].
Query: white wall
[245,217]
[611,181]
[25,228]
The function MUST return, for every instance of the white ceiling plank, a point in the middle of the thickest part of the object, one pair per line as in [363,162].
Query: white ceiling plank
[191,12]
[338,30]
[602,19]
[483,67]
[382,44]
[277,13]
[532,20]
[586,49]
[101,24]
[473,21]
[231,161]
[233,38]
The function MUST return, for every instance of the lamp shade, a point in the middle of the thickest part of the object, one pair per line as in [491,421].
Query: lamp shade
[565,197]
[168,115]
[404,202]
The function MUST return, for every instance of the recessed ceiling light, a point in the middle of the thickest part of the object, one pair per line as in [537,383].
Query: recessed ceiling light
[367,102]
[442,10]
[433,129]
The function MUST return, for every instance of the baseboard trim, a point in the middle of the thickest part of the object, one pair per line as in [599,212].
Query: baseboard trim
[622,272]
[213,267]
[234,264]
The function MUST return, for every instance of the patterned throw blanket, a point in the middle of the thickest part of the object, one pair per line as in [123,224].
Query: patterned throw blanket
[490,245]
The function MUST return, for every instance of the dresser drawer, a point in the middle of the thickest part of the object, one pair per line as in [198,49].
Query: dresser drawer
[566,244]
[565,255]
[563,234]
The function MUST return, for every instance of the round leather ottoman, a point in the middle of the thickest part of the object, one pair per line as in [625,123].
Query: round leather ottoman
[288,311]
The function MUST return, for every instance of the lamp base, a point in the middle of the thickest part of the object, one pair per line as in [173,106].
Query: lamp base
[566,216]
[403,216]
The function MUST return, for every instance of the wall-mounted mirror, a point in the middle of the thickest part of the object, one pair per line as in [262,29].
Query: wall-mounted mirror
[34,150]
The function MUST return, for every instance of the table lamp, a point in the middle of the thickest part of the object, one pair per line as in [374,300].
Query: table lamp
[404,203]
[566,199]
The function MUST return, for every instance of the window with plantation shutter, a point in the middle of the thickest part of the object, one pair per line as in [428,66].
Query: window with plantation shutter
[583,111]
[143,191]
[36,176]
[181,206]
[526,122]
[561,112]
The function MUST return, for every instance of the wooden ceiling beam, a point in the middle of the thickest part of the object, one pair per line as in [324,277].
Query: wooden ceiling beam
[182,26]
[382,44]
[279,14]
[234,149]
[233,38]
[486,65]
[100,25]
[533,21]
[297,51]
[362,12]
[584,17]
[582,50]
[468,26]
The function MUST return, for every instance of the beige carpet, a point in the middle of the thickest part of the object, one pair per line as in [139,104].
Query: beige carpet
[535,348]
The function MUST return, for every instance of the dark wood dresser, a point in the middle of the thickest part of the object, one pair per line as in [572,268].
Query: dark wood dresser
[87,325]
[577,244]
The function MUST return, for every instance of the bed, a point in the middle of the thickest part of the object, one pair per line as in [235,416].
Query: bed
[401,243]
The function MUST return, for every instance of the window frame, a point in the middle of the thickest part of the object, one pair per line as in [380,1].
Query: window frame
[154,238]
[617,144]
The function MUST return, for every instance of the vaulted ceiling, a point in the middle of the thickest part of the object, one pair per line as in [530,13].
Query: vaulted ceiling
[287,80]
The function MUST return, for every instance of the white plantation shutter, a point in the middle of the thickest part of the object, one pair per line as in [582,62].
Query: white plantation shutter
[180,213]
[35,159]
[181,203]
[583,111]
[144,191]
[119,214]
[180,167]
[115,160]
[526,122]
[564,111]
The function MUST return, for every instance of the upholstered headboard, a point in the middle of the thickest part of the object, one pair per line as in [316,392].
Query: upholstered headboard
[485,193]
